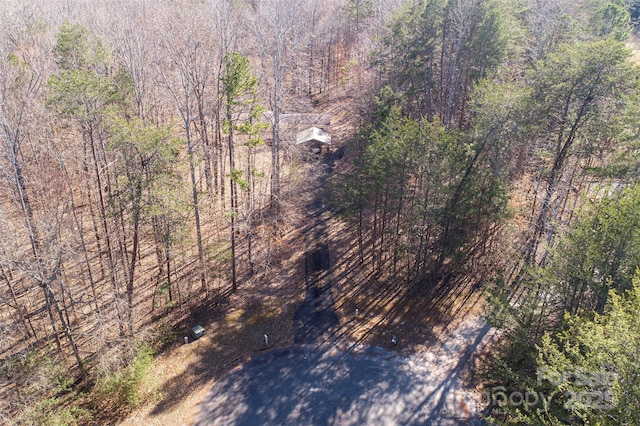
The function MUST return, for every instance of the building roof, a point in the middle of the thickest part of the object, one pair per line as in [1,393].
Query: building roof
[313,134]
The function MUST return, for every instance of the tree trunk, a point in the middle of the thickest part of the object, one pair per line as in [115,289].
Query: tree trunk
[234,197]
[134,255]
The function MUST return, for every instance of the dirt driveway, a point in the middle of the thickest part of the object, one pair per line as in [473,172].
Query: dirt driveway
[321,380]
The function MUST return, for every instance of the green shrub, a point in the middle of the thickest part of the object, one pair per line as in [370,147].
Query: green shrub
[125,387]
[51,412]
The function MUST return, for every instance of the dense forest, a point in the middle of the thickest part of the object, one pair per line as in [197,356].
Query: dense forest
[146,169]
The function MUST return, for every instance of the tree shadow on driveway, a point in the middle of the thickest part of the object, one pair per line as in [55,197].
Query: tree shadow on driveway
[304,385]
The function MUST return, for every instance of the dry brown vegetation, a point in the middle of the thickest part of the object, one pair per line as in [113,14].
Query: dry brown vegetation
[138,200]
[109,240]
